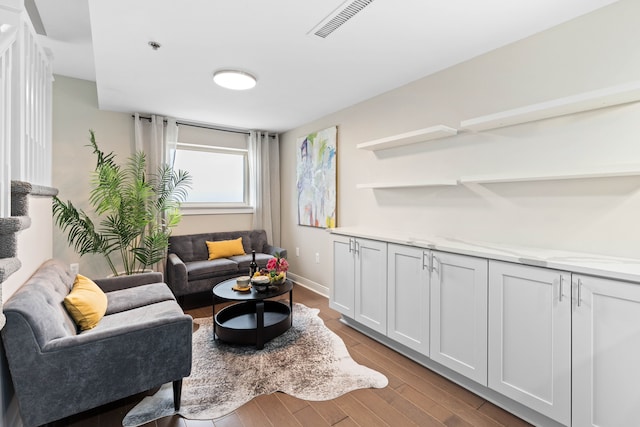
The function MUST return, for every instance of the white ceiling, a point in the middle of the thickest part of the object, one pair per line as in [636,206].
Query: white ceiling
[301,77]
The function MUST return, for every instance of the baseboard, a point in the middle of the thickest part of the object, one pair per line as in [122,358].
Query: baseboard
[309,284]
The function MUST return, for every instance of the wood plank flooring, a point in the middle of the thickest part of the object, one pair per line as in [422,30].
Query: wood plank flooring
[414,396]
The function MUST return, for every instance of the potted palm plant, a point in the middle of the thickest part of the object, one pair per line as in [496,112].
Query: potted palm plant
[135,212]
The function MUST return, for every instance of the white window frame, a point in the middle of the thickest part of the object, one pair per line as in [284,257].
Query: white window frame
[202,208]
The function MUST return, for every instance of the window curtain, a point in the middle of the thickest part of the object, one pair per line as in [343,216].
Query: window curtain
[264,172]
[157,138]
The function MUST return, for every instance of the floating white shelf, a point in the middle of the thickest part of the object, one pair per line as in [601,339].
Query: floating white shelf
[603,173]
[420,135]
[607,97]
[383,185]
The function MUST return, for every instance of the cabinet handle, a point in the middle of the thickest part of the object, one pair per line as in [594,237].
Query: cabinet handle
[356,247]
[579,292]
[433,263]
[424,265]
[350,242]
[561,282]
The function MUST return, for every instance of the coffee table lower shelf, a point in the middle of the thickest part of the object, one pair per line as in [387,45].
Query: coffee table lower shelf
[252,322]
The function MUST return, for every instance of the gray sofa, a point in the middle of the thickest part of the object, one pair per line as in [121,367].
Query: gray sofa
[188,268]
[143,341]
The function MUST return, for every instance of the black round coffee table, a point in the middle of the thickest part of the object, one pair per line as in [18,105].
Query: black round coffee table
[252,320]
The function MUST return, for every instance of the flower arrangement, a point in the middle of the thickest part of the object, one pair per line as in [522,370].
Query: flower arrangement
[277,269]
[277,265]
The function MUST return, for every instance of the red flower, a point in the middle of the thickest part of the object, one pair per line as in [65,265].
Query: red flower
[277,264]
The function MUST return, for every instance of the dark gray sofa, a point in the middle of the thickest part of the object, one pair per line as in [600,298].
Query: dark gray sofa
[143,341]
[188,268]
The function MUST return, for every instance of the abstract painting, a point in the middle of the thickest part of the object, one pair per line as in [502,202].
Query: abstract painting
[317,178]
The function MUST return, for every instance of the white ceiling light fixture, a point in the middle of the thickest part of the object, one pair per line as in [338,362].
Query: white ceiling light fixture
[234,79]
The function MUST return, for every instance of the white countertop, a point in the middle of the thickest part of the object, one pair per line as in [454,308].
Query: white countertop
[574,262]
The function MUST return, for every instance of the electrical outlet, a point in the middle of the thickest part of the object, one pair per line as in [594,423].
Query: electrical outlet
[317,258]
[297,251]
[74,267]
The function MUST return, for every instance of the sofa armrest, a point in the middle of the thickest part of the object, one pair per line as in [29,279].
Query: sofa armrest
[176,275]
[275,250]
[123,282]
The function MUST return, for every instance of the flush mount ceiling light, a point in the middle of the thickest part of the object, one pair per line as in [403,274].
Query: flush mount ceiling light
[234,79]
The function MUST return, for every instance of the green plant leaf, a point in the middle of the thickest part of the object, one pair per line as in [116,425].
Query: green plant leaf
[135,211]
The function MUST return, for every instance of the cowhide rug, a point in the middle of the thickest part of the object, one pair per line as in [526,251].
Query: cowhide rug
[308,361]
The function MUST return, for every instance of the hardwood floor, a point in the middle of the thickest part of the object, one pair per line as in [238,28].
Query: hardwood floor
[414,396]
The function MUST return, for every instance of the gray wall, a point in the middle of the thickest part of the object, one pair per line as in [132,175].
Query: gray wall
[75,111]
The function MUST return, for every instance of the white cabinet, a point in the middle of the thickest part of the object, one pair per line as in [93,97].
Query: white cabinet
[459,314]
[342,294]
[530,337]
[360,281]
[606,352]
[371,284]
[564,345]
[408,297]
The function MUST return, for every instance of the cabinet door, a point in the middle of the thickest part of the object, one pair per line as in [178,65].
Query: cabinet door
[342,296]
[371,284]
[459,314]
[408,297]
[606,352]
[530,337]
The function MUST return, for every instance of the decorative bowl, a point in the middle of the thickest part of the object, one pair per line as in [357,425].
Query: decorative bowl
[260,283]
[276,281]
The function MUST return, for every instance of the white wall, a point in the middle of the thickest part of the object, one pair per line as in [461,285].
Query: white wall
[34,244]
[597,215]
[75,111]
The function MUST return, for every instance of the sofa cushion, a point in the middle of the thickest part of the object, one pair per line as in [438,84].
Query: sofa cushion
[193,247]
[244,261]
[247,244]
[145,316]
[258,240]
[225,248]
[86,303]
[139,296]
[205,269]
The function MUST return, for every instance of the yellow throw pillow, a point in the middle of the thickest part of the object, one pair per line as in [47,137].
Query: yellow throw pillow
[86,303]
[225,248]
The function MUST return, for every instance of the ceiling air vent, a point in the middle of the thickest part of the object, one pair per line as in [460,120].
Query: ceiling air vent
[342,14]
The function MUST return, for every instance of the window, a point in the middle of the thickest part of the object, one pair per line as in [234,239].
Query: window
[218,162]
